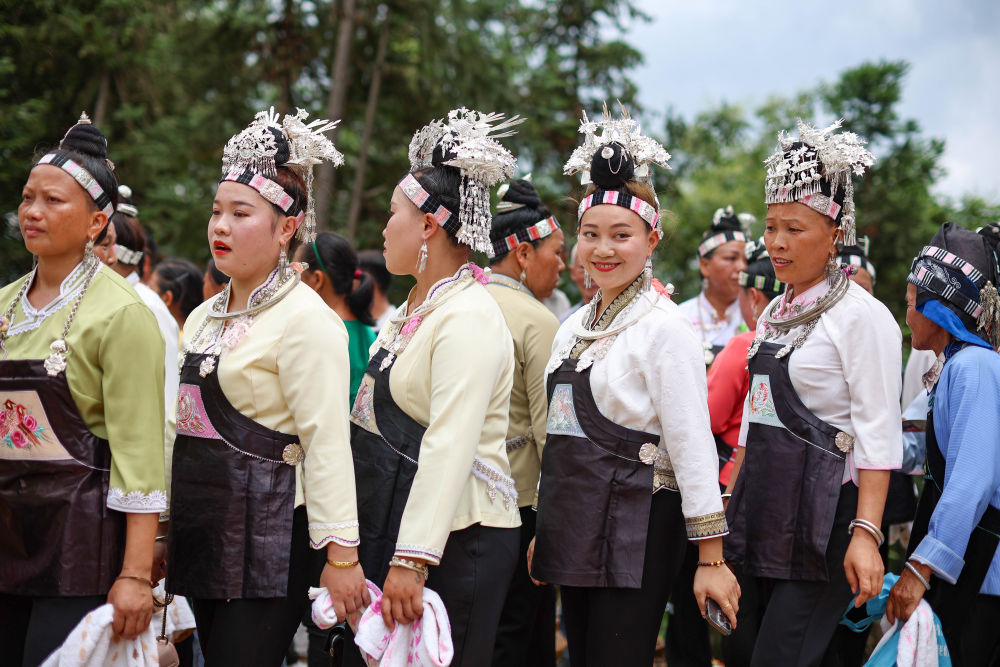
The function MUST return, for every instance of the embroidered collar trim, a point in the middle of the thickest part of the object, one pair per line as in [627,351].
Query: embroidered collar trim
[68,289]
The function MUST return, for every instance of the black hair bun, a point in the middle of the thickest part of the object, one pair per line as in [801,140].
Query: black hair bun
[611,167]
[522,192]
[284,150]
[726,221]
[86,139]
[442,155]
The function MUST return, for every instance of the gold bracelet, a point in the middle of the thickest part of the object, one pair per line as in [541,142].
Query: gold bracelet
[342,564]
[137,578]
[711,563]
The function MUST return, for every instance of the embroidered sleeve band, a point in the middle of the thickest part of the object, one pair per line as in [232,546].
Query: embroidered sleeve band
[268,189]
[713,242]
[84,178]
[704,527]
[539,230]
[638,206]
[137,502]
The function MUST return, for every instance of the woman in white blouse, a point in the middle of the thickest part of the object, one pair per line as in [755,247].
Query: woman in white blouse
[628,427]
[436,500]
[821,429]
[262,485]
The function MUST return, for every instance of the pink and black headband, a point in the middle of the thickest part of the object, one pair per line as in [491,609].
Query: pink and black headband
[635,204]
[539,230]
[716,240]
[84,178]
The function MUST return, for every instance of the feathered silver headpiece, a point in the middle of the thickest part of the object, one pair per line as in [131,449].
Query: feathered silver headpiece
[254,150]
[798,173]
[625,131]
[471,136]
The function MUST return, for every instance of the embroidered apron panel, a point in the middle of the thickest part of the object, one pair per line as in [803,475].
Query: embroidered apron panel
[363,412]
[562,413]
[25,430]
[762,410]
[192,419]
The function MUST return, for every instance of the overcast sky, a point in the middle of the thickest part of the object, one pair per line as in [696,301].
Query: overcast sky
[699,53]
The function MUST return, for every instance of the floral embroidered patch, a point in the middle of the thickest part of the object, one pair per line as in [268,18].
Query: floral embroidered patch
[25,431]
[562,413]
[762,409]
[192,420]
[363,413]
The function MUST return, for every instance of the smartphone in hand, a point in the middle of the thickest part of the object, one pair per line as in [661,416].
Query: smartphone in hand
[717,618]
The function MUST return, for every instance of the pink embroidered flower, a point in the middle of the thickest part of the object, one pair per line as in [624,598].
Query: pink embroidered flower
[411,326]
[235,331]
[18,439]
[479,274]
[29,422]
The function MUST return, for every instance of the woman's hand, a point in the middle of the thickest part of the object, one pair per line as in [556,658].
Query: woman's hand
[347,588]
[402,597]
[531,556]
[133,603]
[906,594]
[863,566]
[718,583]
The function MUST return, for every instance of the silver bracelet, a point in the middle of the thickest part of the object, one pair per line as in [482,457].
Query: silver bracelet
[420,568]
[909,566]
[870,527]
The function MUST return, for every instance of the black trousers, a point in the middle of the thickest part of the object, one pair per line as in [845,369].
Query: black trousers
[618,626]
[472,580]
[527,633]
[800,617]
[258,631]
[33,627]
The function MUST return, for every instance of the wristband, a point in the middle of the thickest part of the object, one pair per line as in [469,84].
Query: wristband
[868,526]
[137,578]
[342,564]
[711,563]
[909,566]
[420,568]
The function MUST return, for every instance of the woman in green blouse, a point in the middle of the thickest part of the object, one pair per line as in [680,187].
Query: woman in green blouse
[81,416]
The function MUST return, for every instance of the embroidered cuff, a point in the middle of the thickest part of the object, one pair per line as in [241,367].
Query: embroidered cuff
[432,556]
[344,533]
[137,502]
[936,555]
[706,526]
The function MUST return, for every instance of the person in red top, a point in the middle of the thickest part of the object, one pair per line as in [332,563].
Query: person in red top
[728,381]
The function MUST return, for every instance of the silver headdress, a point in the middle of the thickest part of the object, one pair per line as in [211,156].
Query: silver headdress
[249,158]
[470,137]
[625,131]
[817,169]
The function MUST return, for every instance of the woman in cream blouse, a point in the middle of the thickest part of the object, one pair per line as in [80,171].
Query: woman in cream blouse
[436,501]
[262,418]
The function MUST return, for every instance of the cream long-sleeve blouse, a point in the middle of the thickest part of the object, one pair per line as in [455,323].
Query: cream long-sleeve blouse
[455,376]
[290,373]
[533,328]
[651,377]
[115,374]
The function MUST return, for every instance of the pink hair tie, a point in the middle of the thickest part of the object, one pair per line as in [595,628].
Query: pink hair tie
[357,274]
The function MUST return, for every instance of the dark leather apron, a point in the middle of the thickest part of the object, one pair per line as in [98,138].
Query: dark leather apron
[57,536]
[595,491]
[785,499]
[953,602]
[385,442]
[232,497]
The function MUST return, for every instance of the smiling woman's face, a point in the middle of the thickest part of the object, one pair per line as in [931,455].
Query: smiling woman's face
[613,244]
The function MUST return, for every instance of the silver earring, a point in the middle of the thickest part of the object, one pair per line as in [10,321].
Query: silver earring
[282,261]
[587,282]
[832,268]
[524,276]
[422,258]
[647,275]
[88,250]
[756,314]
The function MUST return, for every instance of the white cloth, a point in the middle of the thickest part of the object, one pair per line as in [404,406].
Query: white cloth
[710,329]
[848,373]
[651,377]
[92,643]
[920,362]
[918,645]
[171,336]
[557,302]
[180,618]
[426,642]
